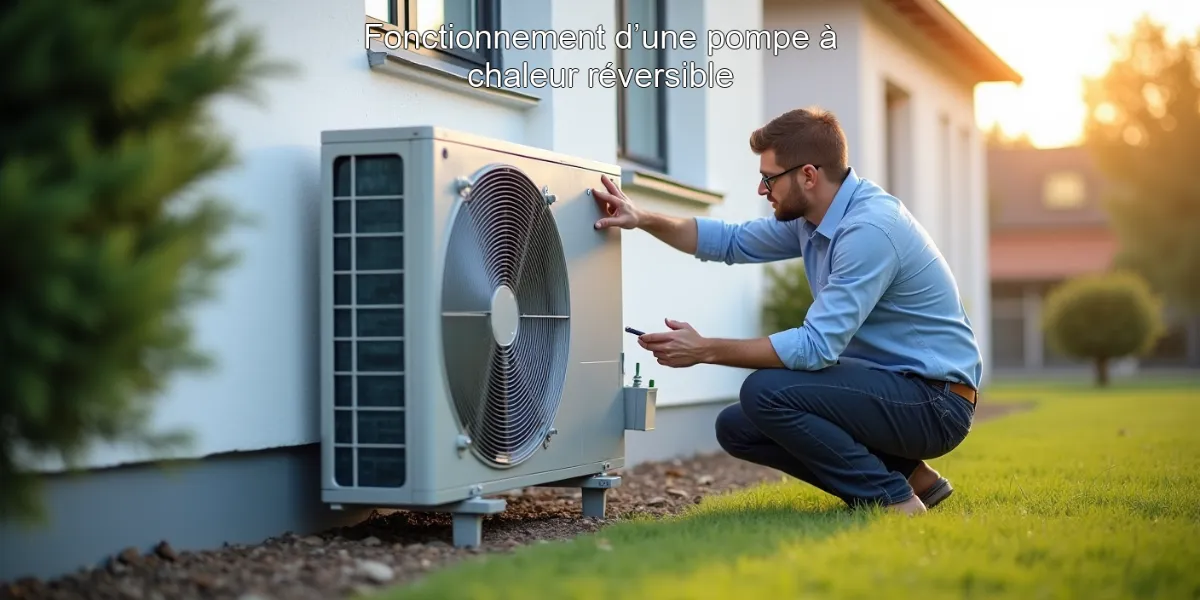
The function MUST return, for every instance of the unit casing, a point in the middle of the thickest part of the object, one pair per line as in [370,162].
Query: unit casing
[471,319]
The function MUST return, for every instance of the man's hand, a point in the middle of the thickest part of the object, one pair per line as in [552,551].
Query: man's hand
[621,212]
[680,347]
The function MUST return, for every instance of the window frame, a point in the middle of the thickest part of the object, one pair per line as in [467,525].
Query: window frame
[656,163]
[402,16]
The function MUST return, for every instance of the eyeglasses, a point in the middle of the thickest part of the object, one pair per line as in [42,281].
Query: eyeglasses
[768,179]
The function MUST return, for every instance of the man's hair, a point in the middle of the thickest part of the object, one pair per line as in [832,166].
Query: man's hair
[805,136]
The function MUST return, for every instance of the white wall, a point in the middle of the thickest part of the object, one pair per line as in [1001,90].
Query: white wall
[262,329]
[709,132]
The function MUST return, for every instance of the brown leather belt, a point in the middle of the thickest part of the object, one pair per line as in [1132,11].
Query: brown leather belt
[958,388]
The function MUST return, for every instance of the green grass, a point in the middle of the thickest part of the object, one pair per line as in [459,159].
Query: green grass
[1092,494]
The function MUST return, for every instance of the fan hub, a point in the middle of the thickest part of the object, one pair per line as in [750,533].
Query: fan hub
[505,315]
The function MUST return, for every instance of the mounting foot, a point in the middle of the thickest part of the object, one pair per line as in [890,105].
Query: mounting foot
[467,519]
[595,493]
[468,530]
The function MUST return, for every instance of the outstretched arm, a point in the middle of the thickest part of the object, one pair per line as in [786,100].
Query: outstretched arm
[760,240]
[864,264]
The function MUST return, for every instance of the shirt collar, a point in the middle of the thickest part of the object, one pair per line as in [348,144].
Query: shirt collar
[837,208]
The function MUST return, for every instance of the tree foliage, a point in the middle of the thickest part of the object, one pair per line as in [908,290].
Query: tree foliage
[107,241]
[1103,317]
[788,297]
[1143,128]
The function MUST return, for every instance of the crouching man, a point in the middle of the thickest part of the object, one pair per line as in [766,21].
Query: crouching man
[883,372]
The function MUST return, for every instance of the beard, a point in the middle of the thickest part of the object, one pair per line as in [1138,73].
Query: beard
[790,208]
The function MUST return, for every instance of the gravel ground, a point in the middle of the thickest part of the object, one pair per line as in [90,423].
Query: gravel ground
[389,549]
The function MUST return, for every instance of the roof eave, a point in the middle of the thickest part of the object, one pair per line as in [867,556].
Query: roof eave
[933,19]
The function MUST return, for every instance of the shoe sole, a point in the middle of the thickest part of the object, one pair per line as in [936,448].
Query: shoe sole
[939,491]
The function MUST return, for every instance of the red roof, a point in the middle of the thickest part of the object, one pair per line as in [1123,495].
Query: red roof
[1045,254]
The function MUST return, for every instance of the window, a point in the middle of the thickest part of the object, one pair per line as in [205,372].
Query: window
[641,112]
[1063,191]
[419,16]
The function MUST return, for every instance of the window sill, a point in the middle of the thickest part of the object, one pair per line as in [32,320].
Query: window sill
[413,66]
[642,180]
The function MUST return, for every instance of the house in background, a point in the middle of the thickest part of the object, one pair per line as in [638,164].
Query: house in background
[901,80]
[1048,225]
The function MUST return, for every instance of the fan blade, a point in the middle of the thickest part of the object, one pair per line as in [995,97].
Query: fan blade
[538,350]
[500,394]
[542,267]
[466,286]
[505,204]
[468,354]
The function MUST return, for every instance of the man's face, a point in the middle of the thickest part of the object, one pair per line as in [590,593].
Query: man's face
[785,193]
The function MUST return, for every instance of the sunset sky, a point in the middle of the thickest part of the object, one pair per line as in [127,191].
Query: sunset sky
[1053,44]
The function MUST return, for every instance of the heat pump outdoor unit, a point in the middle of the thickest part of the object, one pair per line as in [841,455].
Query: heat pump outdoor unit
[471,325]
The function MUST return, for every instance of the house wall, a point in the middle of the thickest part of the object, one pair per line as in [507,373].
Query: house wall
[254,415]
[262,328]
[922,144]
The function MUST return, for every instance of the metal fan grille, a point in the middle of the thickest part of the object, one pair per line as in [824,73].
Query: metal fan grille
[505,316]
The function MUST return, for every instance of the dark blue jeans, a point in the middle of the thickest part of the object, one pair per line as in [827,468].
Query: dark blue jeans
[854,432]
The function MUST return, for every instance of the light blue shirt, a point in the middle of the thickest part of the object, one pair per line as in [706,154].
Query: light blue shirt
[884,296]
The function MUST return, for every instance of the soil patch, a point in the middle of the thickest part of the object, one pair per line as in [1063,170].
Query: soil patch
[395,548]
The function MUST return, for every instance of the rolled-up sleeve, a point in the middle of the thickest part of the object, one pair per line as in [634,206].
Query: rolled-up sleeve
[760,240]
[864,264]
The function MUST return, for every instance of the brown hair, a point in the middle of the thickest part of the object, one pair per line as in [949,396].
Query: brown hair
[805,136]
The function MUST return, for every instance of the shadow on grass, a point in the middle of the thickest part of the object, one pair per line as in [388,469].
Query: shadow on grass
[612,561]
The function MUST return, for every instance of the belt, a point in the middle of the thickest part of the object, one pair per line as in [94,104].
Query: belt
[961,389]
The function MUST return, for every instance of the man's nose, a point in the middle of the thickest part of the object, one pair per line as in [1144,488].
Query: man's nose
[762,189]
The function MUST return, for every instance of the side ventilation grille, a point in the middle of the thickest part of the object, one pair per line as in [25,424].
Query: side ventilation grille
[368,317]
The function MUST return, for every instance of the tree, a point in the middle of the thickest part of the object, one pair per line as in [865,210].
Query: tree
[1143,128]
[788,297]
[107,240]
[1103,317]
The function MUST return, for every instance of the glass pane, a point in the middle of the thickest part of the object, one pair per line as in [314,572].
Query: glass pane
[379,216]
[642,104]
[379,9]
[432,14]
[381,175]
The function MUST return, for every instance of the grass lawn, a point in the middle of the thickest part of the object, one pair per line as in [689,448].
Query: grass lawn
[1092,494]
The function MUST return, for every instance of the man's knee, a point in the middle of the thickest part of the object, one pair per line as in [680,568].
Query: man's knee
[759,391]
[731,428]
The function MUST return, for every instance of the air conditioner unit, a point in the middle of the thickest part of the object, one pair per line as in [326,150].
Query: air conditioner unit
[471,325]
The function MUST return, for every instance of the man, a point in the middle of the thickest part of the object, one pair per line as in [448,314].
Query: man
[882,373]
